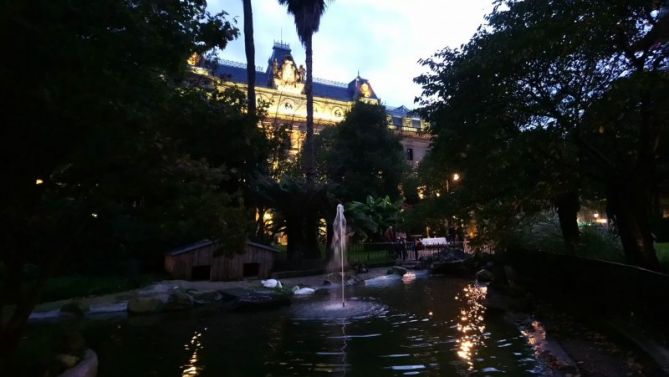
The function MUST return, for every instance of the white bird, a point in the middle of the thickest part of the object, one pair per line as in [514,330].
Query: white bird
[271,283]
[303,291]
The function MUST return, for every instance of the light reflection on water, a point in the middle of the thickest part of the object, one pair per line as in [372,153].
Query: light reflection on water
[395,330]
[194,346]
[471,326]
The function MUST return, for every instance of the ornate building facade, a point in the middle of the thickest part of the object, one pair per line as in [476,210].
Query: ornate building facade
[280,89]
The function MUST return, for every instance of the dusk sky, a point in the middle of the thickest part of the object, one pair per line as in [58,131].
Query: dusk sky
[381,39]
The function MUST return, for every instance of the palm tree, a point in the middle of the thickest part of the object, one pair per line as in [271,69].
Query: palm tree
[307,14]
[250,57]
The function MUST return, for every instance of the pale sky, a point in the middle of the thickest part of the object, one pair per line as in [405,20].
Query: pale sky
[383,39]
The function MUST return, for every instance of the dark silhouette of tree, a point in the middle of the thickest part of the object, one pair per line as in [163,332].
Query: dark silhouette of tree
[307,15]
[361,157]
[249,48]
[106,153]
[524,85]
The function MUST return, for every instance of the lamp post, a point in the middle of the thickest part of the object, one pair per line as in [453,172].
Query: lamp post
[455,177]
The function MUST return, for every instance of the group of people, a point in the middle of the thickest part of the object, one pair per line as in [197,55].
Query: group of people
[399,241]
[401,248]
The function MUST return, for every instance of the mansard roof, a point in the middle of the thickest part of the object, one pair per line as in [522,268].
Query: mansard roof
[236,72]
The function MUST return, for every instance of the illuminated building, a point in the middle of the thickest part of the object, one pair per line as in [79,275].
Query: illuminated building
[280,87]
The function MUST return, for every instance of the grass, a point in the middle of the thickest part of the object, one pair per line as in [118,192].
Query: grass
[70,286]
[662,250]
[369,257]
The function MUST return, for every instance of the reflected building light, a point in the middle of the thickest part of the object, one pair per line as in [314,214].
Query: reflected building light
[470,322]
[536,337]
[192,367]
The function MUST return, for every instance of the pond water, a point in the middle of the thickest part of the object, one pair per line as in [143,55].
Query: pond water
[392,327]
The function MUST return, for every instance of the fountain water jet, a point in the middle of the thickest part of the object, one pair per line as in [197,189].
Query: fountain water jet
[339,245]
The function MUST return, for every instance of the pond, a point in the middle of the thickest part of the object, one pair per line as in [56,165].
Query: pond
[393,327]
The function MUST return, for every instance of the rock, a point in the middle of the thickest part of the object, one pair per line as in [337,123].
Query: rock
[399,270]
[205,297]
[109,308]
[485,276]
[178,300]
[146,305]
[322,292]
[75,307]
[258,301]
[456,267]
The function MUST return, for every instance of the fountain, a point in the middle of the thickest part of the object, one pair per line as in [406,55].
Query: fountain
[339,246]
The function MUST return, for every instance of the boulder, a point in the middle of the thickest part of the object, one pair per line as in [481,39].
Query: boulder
[258,301]
[178,300]
[485,276]
[205,297]
[399,270]
[75,307]
[146,304]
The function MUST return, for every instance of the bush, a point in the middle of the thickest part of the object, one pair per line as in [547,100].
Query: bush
[542,233]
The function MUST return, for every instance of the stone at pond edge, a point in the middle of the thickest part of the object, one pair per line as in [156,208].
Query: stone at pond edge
[146,305]
[178,300]
[75,307]
[485,276]
[257,301]
[399,270]
[205,297]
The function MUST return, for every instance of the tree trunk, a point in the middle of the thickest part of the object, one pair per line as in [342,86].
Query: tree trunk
[312,250]
[250,57]
[294,235]
[309,154]
[629,204]
[329,252]
[568,205]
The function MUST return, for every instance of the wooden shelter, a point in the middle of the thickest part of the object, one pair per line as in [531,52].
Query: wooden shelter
[199,262]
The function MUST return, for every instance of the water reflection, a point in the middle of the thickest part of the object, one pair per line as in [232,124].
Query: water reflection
[536,337]
[191,368]
[470,324]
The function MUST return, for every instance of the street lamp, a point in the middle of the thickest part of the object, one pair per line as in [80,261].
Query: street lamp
[455,177]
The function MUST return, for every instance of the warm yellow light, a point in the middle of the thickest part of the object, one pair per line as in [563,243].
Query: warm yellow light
[267,216]
[438,194]
[421,192]
[456,177]
[596,215]
[39,181]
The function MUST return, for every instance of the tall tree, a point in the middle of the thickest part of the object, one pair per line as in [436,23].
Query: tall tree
[544,64]
[249,48]
[307,14]
[361,156]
